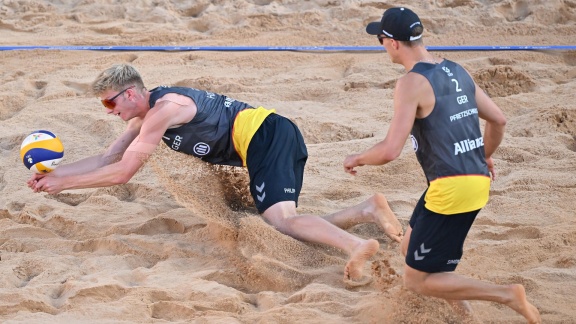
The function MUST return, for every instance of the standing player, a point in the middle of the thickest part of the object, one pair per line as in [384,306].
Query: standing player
[438,105]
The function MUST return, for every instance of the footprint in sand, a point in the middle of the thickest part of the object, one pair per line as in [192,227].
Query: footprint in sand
[220,85]
[571,143]
[14,246]
[114,246]
[27,271]
[516,155]
[512,234]
[350,85]
[514,10]
[108,30]
[79,88]
[385,276]
[40,88]
[172,311]
[14,207]
[196,8]
[564,120]
[501,61]
[200,25]
[70,199]
[503,81]
[566,262]
[103,293]
[569,57]
[12,104]
[160,226]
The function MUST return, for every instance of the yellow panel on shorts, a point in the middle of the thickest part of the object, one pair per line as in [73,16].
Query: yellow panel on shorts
[246,124]
[458,194]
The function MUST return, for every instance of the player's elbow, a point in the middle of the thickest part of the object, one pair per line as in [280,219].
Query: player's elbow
[497,120]
[122,178]
[496,125]
[500,122]
[124,171]
[391,155]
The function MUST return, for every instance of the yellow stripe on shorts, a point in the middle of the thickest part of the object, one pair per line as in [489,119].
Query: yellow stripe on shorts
[245,126]
[458,194]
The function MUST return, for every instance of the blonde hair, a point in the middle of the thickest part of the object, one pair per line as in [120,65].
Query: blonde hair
[118,77]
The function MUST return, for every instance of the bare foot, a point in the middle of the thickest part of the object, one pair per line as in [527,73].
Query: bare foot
[464,310]
[520,304]
[349,283]
[355,265]
[384,217]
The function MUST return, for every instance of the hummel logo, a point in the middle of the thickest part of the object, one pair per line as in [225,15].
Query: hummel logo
[260,189]
[261,198]
[423,250]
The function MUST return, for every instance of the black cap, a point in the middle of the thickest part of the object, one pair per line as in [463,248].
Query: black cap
[397,23]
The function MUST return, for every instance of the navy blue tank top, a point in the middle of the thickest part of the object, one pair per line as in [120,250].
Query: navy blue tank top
[448,142]
[208,135]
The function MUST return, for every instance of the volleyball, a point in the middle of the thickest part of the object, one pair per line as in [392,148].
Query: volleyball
[41,151]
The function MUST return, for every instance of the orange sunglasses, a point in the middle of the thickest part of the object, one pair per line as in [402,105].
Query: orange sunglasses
[110,103]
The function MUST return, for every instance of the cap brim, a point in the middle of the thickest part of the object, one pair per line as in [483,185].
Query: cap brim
[374,28]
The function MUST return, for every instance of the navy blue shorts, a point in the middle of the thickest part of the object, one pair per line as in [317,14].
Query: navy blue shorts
[275,160]
[437,240]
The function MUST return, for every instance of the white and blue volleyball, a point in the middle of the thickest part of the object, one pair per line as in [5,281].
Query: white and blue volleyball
[41,151]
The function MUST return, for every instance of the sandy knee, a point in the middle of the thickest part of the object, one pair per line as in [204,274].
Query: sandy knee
[284,225]
[414,280]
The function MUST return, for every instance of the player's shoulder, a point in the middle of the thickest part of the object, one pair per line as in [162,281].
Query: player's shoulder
[411,81]
[174,98]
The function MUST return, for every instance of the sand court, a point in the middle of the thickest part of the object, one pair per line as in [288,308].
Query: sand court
[182,242]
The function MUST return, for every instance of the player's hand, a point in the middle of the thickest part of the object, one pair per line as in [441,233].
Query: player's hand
[350,162]
[34,179]
[51,185]
[490,163]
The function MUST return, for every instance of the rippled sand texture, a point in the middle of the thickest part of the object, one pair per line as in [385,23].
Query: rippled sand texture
[181,241]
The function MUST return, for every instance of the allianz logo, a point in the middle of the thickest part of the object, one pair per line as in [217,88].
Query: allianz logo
[468,145]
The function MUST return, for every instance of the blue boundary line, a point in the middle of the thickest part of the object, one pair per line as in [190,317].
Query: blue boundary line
[282,48]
